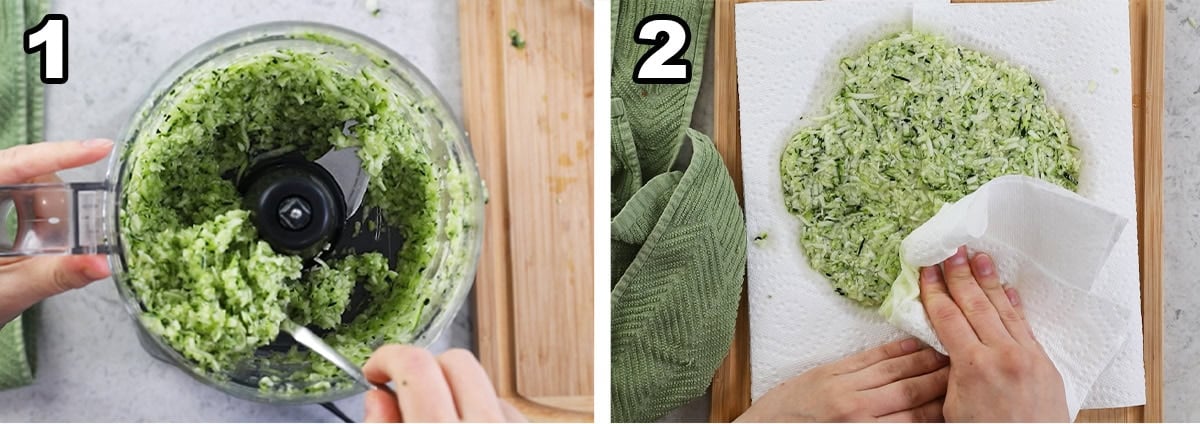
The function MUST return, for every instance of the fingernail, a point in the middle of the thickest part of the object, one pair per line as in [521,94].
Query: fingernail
[941,358]
[960,257]
[1013,297]
[98,142]
[984,265]
[910,345]
[929,274]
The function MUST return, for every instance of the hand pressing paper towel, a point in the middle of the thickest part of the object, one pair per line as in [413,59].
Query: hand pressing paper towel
[1079,51]
[1047,242]
[788,53]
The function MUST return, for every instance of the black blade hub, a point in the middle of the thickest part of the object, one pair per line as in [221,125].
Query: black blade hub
[295,204]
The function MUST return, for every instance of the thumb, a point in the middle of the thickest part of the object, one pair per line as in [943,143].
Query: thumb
[380,407]
[29,281]
[52,275]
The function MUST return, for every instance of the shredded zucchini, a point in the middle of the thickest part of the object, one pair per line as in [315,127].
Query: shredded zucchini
[917,122]
[761,239]
[209,286]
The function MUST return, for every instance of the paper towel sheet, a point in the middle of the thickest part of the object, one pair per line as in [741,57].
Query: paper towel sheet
[787,55]
[1047,242]
[1079,51]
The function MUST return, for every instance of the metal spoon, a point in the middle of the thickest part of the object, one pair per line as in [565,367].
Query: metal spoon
[310,340]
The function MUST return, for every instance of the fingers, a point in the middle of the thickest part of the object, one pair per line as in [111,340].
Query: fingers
[970,298]
[928,413]
[948,322]
[26,282]
[47,205]
[872,356]
[380,407]
[451,387]
[473,393]
[422,393]
[892,370]
[22,163]
[1014,299]
[985,273]
[909,393]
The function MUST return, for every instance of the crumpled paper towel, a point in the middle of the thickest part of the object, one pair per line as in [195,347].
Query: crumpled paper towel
[1050,244]
[787,55]
[1079,51]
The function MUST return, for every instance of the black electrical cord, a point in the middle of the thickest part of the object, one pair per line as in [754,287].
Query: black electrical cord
[329,406]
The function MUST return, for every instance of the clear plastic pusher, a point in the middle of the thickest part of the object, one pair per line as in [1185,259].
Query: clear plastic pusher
[55,219]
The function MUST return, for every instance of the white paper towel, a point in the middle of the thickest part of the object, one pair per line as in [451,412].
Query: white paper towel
[1050,243]
[787,55]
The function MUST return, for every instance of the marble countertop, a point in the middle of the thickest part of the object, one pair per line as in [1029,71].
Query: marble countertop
[1181,211]
[90,364]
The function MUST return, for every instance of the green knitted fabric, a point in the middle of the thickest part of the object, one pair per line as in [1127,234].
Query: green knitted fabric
[678,236]
[679,246]
[18,358]
[20,123]
[658,114]
[625,170]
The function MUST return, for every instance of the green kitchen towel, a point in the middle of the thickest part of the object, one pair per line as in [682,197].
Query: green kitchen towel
[20,123]
[18,359]
[625,171]
[658,114]
[678,236]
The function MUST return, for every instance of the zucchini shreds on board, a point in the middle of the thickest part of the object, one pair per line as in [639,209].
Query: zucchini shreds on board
[515,39]
[918,122]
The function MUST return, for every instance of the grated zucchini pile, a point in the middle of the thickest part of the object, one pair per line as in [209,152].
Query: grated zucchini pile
[209,287]
[918,122]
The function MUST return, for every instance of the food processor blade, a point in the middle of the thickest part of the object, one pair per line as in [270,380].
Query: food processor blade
[346,168]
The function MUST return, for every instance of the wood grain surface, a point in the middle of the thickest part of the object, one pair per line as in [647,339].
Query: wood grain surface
[529,114]
[731,383]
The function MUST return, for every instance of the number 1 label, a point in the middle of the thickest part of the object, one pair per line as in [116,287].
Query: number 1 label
[49,37]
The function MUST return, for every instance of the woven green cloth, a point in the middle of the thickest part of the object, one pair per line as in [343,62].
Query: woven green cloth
[20,123]
[678,236]
[657,114]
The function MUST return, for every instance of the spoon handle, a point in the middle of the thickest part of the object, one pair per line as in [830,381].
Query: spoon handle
[310,340]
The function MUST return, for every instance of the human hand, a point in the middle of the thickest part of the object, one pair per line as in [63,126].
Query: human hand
[449,388]
[899,381]
[998,370]
[26,281]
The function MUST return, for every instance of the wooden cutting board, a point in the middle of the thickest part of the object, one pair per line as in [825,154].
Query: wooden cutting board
[731,383]
[529,115]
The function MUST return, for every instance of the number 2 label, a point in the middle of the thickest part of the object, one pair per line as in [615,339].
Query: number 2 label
[663,64]
[49,37]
